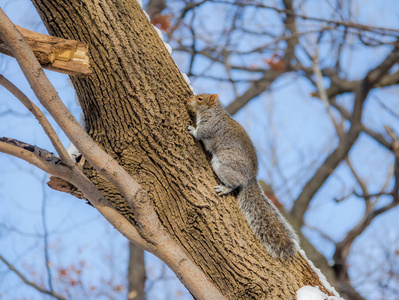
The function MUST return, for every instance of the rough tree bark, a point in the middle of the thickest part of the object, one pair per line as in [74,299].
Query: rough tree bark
[134,106]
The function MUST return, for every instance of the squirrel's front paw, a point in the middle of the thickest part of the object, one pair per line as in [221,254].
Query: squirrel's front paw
[191,130]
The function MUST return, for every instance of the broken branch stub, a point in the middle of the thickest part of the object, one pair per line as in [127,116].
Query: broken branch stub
[56,54]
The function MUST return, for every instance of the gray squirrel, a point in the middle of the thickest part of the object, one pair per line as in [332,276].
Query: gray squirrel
[235,163]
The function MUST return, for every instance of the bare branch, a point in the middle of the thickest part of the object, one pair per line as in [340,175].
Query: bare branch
[362,184]
[339,86]
[34,155]
[321,232]
[343,198]
[259,86]
[30,283]
[40,117]
[343,247]
[347,141]
[375,135]
[256,88]
[189,6]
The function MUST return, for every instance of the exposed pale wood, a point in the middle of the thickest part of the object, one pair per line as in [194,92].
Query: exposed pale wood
[56,54]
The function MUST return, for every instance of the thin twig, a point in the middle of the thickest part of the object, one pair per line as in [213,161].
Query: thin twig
[45,233]
[322,92]
[30,283]
[321,232]
[374,29]
[362,185]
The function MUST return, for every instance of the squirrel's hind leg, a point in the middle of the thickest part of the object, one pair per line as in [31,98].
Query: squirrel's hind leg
[222,190]
[230,179]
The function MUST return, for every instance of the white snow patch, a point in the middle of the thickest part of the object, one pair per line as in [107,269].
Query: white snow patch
[82,121]
[186,78]
[187,81]
[69,82]
[310,293]
[313,293]
[147,15]
[322,278]
[168,47]
[77,100]
[158,31]
[73,152]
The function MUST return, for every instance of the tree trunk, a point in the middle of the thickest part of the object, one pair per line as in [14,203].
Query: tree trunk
[136,273]
[134,106]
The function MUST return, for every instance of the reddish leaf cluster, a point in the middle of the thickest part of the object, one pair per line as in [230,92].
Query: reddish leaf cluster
[275,63]
[163,22]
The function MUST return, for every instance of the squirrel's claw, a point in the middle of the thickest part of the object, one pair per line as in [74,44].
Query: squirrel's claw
[222,190]
[191,130]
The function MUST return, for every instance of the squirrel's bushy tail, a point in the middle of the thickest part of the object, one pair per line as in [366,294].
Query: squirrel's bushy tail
[265,220]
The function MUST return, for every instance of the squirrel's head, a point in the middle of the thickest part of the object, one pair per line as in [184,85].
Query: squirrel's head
[202,101]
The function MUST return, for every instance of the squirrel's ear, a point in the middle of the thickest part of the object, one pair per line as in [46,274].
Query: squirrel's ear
[213,98]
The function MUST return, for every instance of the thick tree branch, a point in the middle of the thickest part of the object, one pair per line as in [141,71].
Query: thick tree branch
[30,283]
[54,53]
[34,155]
[369,82]
[290,25]
[340,86]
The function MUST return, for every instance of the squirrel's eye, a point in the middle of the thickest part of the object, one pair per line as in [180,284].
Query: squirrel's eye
[200,99]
